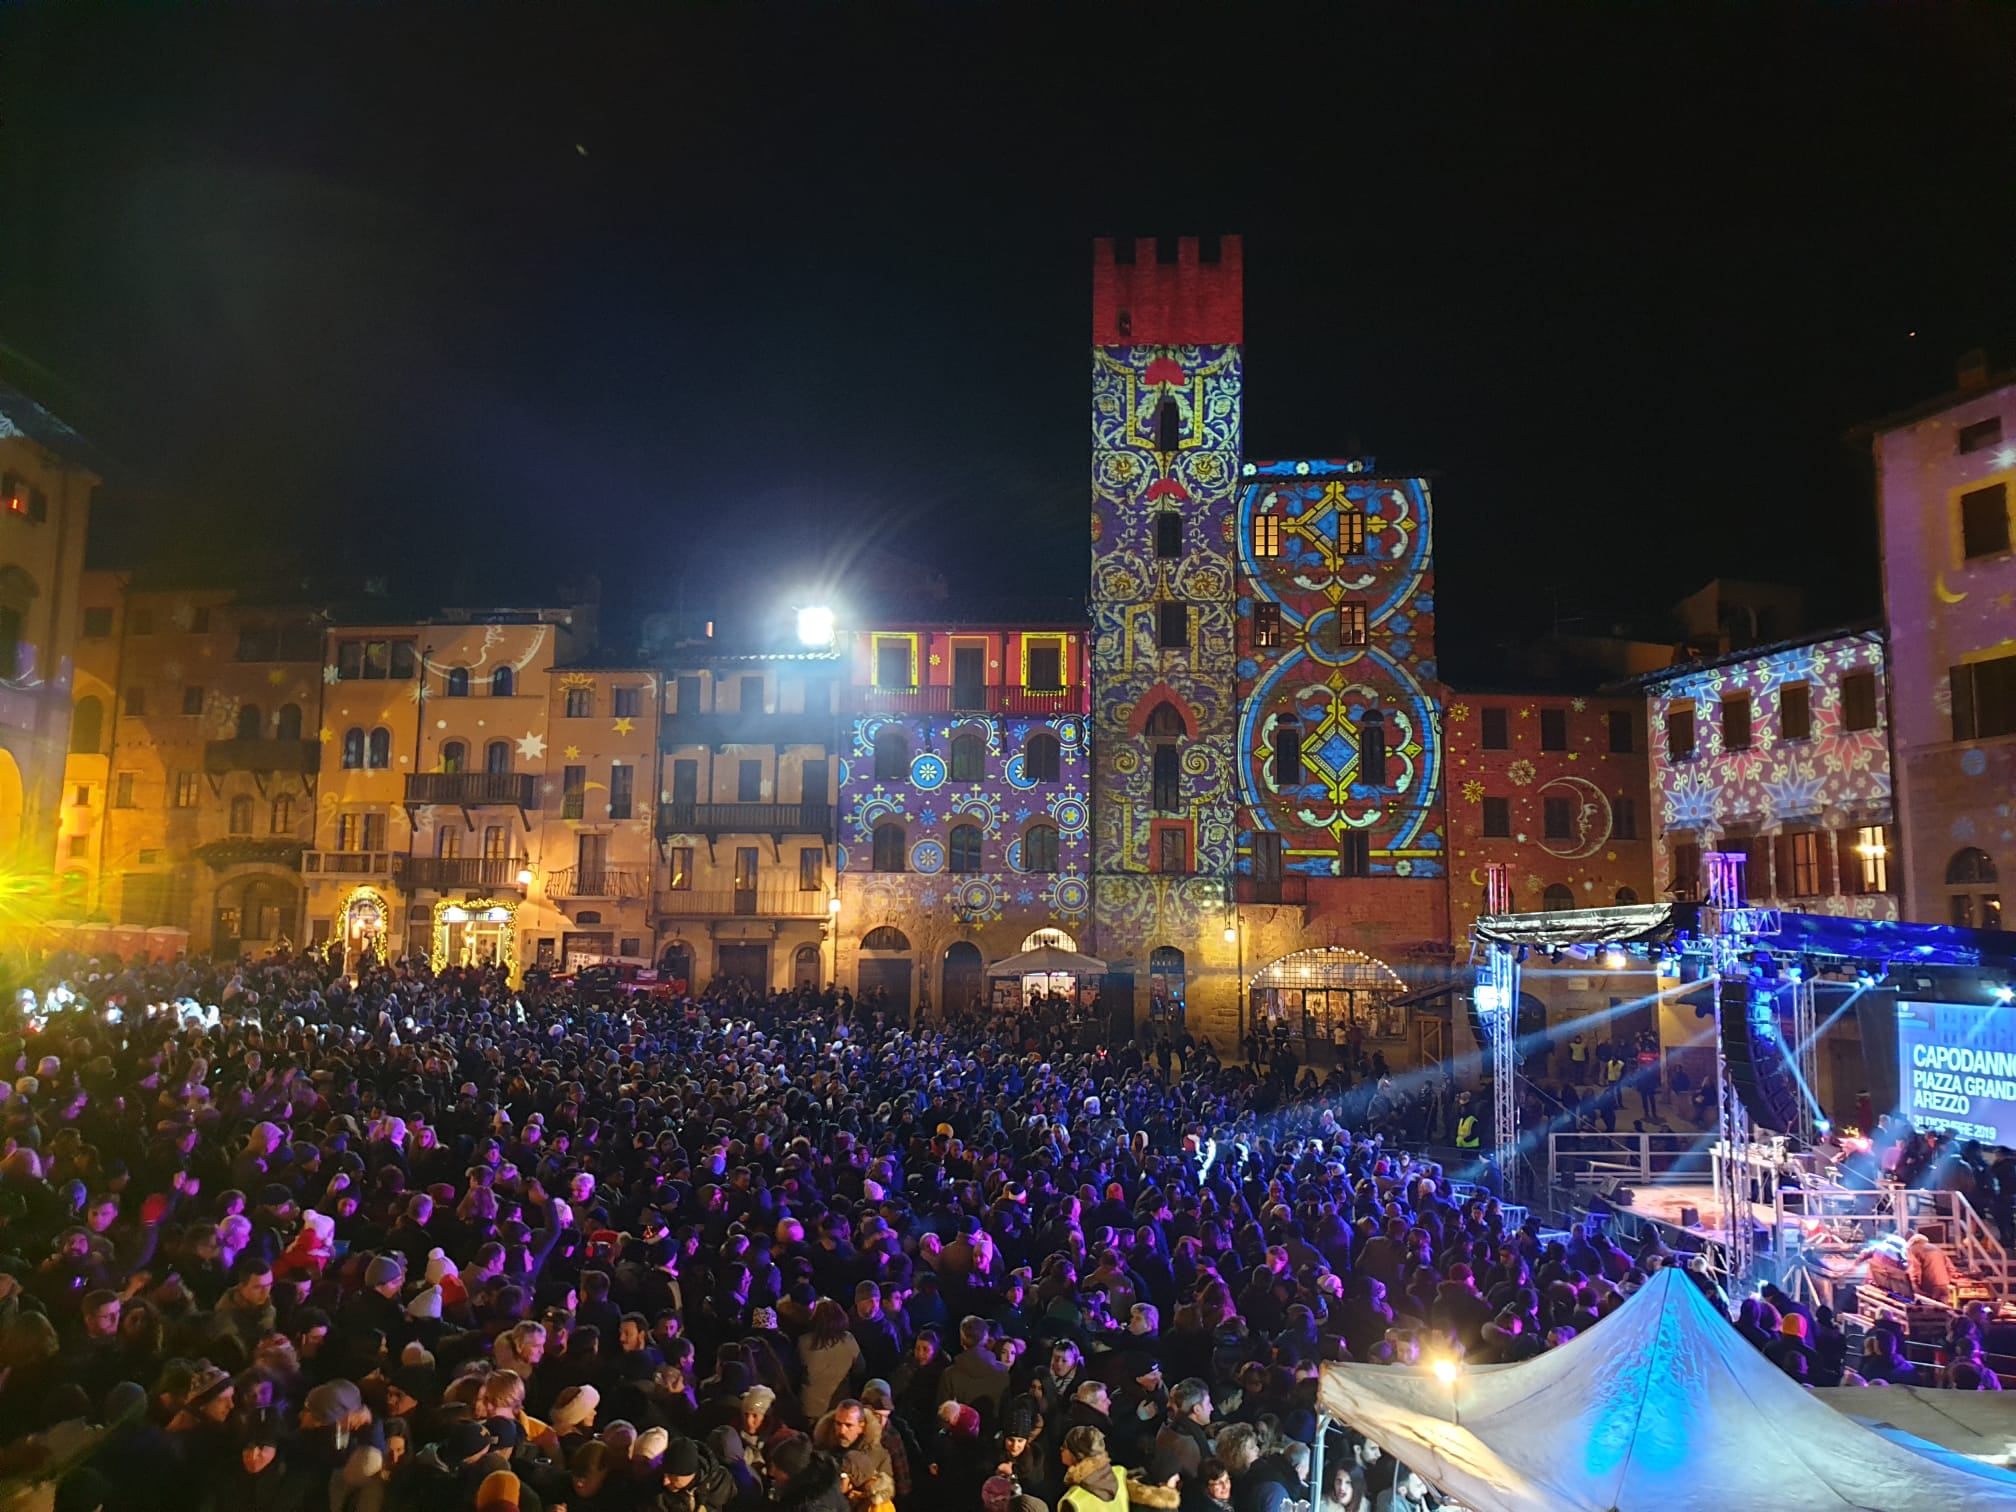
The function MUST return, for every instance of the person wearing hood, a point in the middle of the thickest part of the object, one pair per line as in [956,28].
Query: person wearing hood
[853,1436]
[804,1480]
[1158,1486]
[1091,1483]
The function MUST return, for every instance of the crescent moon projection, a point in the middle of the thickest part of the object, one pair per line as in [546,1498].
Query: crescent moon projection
[1592,819]
[1946,595]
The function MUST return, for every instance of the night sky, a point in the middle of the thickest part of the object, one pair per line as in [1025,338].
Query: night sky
[472,297]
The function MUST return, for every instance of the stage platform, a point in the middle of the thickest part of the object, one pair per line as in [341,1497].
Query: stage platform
[1662,1204]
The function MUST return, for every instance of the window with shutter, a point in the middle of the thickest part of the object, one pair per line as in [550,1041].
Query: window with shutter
[1795,712]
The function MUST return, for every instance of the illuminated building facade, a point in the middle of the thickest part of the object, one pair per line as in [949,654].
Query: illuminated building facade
[46,489]
[1339,750]
[1167,323]
[596,809]
[1945,478]
[747,782]
[964,824]
[1554,787]
[1782,753]
[194,766]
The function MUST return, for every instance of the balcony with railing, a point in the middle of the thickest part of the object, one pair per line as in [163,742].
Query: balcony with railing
[348,863]
[473,789]
[957,698]
[299,756]
[599,882]
[442,873]
[745,819]
[767,900]
[752,728]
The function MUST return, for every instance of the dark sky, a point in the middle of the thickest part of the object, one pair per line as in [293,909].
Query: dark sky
[478,295]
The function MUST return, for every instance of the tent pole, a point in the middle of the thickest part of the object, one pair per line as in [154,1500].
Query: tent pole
[1316,1461]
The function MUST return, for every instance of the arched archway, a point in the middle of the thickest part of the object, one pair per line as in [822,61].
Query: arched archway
[1328,993]
[884,966]
[963,978]
[1167,982]
[87,727]
[1050,937]
[252,912]
[805,966]
[675,965]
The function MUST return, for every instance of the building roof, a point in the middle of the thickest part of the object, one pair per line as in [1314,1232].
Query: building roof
[23,417]
[1926,408]
[1863,630]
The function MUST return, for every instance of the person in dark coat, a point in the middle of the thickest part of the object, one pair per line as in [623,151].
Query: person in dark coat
[803,1479]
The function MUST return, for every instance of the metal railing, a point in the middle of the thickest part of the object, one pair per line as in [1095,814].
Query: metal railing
[599,882]
[349,863]
[472,789]
[953,698]
[1589,1160]
[767,901]
[745,819]
[458,871]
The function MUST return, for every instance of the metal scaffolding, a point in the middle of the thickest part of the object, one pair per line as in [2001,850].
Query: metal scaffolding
[1498,1011]
[1731,928]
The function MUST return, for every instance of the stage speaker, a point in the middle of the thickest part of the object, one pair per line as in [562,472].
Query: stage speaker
[1690,1217]
[1755,1022]
[1624,1196]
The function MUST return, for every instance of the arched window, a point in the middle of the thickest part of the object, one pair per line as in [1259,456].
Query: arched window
[1627,895]
[353,748]
[1165,974]
[1039,848]
[1558,896]
[500,683]
[966,846]
[805,966]
[497,757]
[892,754]
[890,847]
[885,937]
[378,752]
[1970,876]
[1970,866]
[250,722]
[458,682]
[969,757]
[87,726]
[1372,749]
[283,814]
[1166,722]
[454,756]
[241,815]
[1167,797]
[287,723]
[495,842]
[1287,752]
[1042,757]
[448,842]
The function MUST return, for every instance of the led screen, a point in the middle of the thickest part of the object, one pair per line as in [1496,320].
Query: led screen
[1956,1069]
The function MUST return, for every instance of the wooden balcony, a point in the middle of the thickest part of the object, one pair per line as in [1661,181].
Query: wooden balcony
[348,863]
[768,900]
[443,873]
[756,728]
[745,819]
[950,698]
[517,790]
[599,882]
[303,757]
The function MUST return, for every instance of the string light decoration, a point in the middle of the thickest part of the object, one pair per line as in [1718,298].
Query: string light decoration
[502,911]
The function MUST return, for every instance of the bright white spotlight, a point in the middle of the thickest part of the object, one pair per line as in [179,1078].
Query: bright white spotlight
[815,625]
[1445,1371]
[1231,935]
[1489,997]
[1615,959]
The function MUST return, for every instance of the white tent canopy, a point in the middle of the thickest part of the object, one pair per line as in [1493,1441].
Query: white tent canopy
[1662,1407]
[1047,960]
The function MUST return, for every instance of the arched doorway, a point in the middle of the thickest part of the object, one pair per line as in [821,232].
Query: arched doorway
[1331,994]
[885,964]
[362,922]
[1053,939]
[963,978]
[675,966]
[805,966]
[1166,983]
[252,913]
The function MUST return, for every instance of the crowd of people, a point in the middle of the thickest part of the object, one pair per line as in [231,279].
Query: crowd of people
[275,1237]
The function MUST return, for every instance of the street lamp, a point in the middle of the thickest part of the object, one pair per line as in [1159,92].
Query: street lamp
[815,625]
